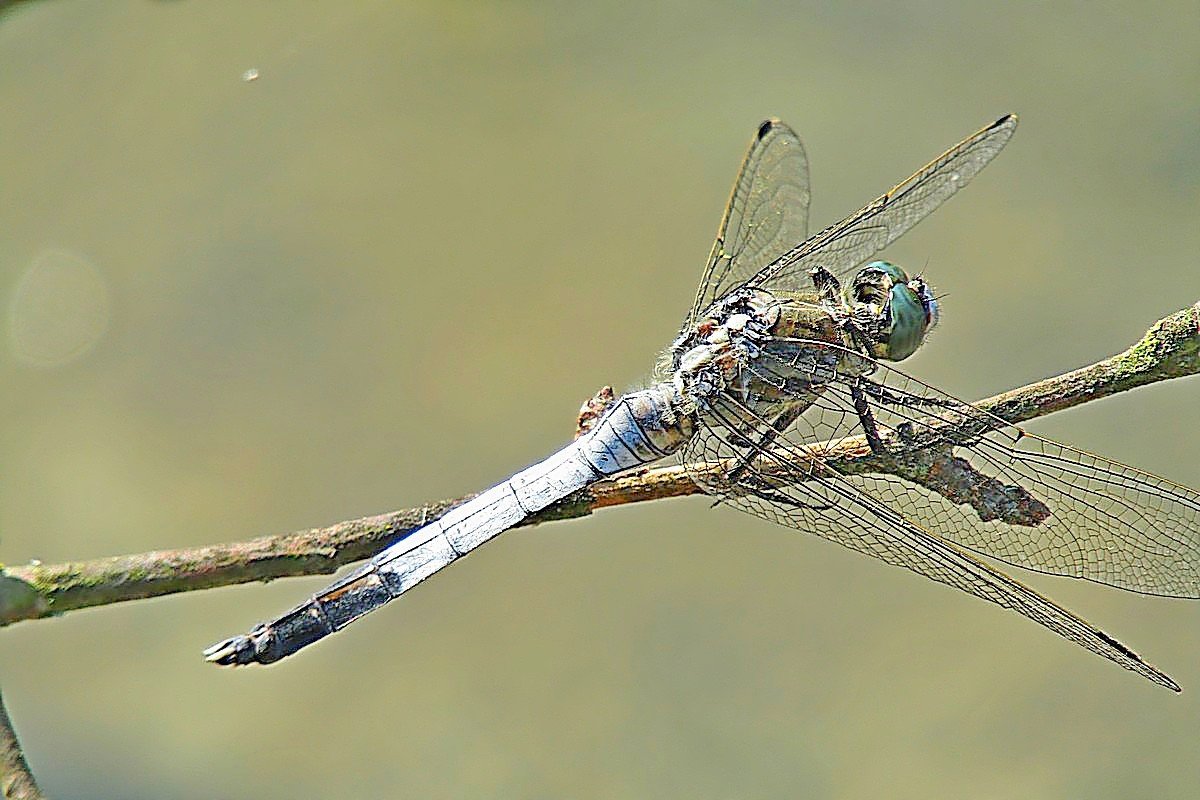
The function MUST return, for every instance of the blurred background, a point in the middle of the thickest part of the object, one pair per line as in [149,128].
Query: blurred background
[271,266]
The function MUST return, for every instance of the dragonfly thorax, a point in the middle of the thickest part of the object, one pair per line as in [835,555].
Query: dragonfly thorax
[712,355]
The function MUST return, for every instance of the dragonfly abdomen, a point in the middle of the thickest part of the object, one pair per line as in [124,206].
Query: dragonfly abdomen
[639,429]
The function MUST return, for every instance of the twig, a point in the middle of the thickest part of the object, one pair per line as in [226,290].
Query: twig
[1170,349]
[16,781]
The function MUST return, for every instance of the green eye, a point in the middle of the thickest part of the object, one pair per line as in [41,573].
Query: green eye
[910,320]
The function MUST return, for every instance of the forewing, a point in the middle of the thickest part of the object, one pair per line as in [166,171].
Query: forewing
[818,477]
[843,247]
[992,487]
[766,216]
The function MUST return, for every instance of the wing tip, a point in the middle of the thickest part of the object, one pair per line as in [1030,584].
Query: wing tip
[1007,121]
[766,126]
[1165,680]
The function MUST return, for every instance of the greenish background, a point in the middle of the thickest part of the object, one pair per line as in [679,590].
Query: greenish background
[390,269]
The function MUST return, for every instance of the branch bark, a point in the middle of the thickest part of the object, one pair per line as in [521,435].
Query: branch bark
[1170,349]
[16,781]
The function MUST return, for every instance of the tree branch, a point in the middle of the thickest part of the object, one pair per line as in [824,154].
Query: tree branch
[1170,349]
[16,781]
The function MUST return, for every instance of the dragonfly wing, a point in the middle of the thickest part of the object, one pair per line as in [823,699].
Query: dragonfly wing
[973,479]
[799,485]
[843,247]
[766,215]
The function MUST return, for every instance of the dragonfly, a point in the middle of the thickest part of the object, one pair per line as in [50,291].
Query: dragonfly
[779,399]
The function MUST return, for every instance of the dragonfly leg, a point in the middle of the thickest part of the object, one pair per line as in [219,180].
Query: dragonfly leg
[908,431]
[742,472]
[866,419]
[827,285]
[778,426]
[896,397]
[780,498]
[764,490]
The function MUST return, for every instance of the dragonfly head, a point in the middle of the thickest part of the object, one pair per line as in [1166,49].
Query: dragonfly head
[901,309]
